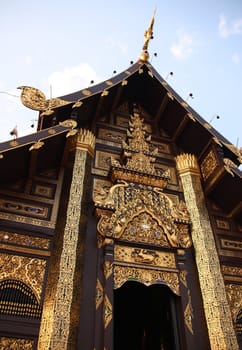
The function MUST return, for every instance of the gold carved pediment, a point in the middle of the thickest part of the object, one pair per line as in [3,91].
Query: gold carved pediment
[144,215]
[145,228]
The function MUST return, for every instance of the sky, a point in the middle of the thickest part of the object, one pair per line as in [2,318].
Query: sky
[61,46]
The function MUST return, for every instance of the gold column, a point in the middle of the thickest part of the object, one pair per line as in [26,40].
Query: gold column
[61,304]
[217,312]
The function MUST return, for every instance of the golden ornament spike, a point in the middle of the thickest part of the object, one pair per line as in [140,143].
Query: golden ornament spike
[148,35]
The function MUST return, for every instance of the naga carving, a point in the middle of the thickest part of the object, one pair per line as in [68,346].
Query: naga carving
[139,210]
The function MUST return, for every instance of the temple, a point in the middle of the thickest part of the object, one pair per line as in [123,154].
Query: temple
[120,222]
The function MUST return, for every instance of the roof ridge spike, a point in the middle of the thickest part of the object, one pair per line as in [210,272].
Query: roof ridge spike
[148,34]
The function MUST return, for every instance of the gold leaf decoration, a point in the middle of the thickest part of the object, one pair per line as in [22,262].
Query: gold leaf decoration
[78,103]
[150,74]
[36,145]
[69,123]
[170,95]
[207,126]
[86,92]
[72,133]
[104,93]
[33,98]
[47,112]
[184,104]
[190,116]
[215,139]
[14,143]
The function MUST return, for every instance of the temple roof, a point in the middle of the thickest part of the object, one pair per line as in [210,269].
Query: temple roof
[139,83]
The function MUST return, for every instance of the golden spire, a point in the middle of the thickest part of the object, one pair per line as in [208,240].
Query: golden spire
[148,35]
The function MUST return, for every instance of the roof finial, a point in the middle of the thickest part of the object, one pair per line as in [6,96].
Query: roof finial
[148,35]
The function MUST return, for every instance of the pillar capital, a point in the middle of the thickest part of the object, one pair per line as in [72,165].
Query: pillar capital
[83,140]
[187,164]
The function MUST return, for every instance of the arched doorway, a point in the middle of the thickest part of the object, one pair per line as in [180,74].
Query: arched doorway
[144,318]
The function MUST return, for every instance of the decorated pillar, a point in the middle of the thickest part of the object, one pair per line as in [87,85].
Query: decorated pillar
[60,316]
[217,312]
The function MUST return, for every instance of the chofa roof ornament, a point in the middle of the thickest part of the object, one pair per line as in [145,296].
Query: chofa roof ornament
[144,57]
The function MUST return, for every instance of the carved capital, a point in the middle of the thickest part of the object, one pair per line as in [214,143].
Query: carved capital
[187,163]
[83,140]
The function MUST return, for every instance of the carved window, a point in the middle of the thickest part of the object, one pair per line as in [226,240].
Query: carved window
[17,299]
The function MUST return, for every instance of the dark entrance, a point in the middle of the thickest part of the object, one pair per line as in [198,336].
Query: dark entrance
[144,318]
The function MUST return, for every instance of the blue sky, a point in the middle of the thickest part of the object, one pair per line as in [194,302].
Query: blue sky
[66,44]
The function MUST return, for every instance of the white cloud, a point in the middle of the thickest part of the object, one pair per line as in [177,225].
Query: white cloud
[28,59]
[222,27]
[183,48]
[226,30]
[235,58]
[72,79]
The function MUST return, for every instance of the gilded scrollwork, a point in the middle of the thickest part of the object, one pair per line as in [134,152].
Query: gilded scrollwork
[148,277]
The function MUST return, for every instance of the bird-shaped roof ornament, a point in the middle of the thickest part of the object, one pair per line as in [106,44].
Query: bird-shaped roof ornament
[148,34]
[35,99]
